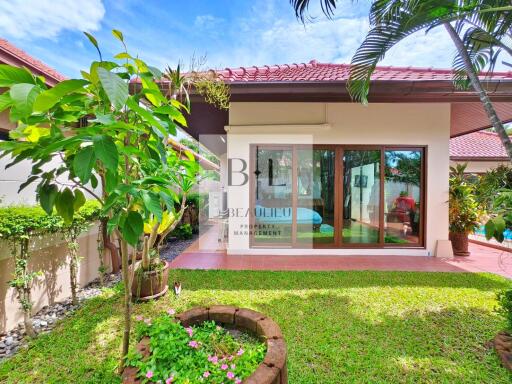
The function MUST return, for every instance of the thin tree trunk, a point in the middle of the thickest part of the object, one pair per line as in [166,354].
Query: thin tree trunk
[73,269]
[482,94]
[24,292]
[127,302]
[107,244]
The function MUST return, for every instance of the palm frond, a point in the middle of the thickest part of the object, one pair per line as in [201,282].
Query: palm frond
[301,8]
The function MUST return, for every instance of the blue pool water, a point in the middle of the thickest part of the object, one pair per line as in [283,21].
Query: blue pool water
[507,233]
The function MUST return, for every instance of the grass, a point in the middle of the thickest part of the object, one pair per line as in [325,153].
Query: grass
[341,327]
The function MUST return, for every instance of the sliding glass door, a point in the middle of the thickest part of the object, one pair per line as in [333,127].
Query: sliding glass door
[273,212]
[361,197]
[337,196]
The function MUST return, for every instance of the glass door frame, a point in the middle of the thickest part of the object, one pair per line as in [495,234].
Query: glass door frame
[339,150]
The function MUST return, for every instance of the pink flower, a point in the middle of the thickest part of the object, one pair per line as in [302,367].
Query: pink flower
[139,318]
[193,344]
[190,331]
[230,375]
[231,357]
[206,374]
[240,352]
[238,381]
[233,366]
[171,312]
[224,367]
[169,380]
[213,359]
[149,374]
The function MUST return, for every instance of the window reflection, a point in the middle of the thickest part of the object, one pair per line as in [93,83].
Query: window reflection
[361,191]
[315,190]
[273,209]
[402,194]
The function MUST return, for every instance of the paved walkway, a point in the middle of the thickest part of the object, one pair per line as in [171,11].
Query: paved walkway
[482,259]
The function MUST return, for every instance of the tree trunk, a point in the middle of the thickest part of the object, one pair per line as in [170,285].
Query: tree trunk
[107,244]
[24,290]
[127,302]
[482,94]
[73,271]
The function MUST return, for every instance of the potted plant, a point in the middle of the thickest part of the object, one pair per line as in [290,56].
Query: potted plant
[152,273]
[464,211]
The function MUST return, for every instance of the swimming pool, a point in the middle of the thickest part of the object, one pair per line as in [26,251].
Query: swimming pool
[507,234]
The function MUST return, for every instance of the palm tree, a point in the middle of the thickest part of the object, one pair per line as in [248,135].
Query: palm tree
[485,26]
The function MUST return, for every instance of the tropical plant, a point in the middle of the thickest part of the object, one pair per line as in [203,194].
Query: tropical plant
[484,24]
[464,212]
[181,171]
[490,183]
[82,221]
[501,218]
[20,225]
[505,306]
[104,136]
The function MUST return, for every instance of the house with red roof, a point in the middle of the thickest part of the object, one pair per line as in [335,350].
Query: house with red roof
[12,55]
[481,151]
[306,170]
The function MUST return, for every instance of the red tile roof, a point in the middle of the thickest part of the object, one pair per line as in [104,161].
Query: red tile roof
[12,55]
[315,71]
[477,145]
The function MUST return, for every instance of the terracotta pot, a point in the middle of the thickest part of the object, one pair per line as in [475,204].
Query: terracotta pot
[459,243]
[150,285]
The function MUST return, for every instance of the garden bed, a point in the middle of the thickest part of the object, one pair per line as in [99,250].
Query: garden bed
[269,363]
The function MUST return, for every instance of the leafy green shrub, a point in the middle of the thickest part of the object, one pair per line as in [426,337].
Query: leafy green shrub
[464,211]
[19,225]
[183,232]
[488,184]
[505,306]
[501,219]
[205,353]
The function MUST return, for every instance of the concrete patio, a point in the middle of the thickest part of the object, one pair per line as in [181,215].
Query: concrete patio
[482,259]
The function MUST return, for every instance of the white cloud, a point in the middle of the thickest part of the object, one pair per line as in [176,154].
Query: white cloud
[47,18]
[207,21]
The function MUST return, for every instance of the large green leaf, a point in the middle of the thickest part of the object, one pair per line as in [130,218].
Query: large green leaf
[151,202]
[106,150]
[5,101]
[47,99]
[79,200]
[147,116]
[115,87]
[111,180]
[23,96]
[64,204]
[83,163]
[10,75]
[132,227]
[47,194]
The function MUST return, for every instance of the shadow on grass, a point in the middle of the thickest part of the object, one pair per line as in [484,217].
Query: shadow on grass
[340,335]
[83,348]
[269,280]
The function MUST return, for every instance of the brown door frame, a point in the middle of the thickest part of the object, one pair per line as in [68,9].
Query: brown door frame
[339,150]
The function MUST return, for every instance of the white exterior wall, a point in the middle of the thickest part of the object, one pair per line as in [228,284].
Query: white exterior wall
[345,123]
[480,166]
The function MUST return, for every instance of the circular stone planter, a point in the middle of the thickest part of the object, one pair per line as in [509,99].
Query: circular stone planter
[272,370]
[503,346]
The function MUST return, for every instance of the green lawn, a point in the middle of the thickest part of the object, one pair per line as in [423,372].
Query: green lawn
[341,327]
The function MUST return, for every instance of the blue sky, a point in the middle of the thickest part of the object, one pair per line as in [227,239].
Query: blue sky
[231,33]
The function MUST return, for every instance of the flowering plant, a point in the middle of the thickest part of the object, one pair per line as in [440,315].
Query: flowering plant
[207,353]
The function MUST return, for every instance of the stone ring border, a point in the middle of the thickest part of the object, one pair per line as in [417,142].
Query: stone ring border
[273,369]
